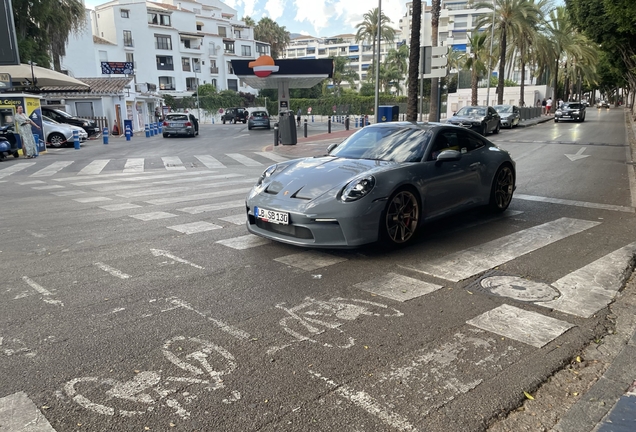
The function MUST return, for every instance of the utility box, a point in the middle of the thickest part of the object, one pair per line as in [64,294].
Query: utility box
[287,128]
[127,124]
[388,113]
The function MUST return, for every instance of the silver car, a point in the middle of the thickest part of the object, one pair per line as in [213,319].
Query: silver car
[60,134]
[176,124]
[509,115]
[382,183]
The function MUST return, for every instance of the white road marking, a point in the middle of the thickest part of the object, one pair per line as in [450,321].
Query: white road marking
[32,182]
[153,216]
[95,167]
[237,333]
[173,163]
[397,287]
[366,402]
[524,326]
[120,178]
[41,290]
[111,270]
[5,172]
[196,197]
[579,155]
[213,207]
[210,162]
[244,242]
[52,169]
[48,187]
[123,206]
[310,260]
[91,199]
[195,227]
[589,289]
[238,219]
[68,193]
[202,178]
[159,252]
[134,165]
[575,203]
[273,156]
[464,264]
[243,159]
[18,413]
[144,191]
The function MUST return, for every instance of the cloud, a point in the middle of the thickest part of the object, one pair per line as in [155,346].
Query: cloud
[317,13]
[275,9]
[249,7]
[352,12]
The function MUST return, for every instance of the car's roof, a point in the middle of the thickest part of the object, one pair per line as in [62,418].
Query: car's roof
[408,124]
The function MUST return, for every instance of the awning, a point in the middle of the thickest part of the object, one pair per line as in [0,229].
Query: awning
[22,75]
[185,35]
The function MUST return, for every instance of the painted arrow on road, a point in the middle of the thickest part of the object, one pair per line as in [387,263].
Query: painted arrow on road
[579,155]
[159,252]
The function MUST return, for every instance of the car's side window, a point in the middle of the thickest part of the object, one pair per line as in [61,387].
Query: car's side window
[445,140]
[470,142]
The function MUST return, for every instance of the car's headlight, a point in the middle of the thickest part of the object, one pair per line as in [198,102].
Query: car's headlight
[558,112]
[266,174]
[575,112]
[477,123]
[85,124]
[357,188]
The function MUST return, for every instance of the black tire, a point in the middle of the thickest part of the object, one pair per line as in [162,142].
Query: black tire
[165,135]
[249,127]
[401,218]
[223,120]
[484,129]
[556,120]
[56,140]
[498,128]
[503,187]
[16,154]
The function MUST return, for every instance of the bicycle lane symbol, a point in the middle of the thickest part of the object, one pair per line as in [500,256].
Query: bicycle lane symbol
[142,393]
[313,319]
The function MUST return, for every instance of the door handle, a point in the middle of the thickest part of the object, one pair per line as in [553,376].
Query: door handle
[474,166]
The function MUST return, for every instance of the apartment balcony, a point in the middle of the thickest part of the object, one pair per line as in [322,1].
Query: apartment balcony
[129,44]
[214,70]
[190,49]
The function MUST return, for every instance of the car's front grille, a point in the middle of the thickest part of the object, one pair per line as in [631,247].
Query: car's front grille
[288,230]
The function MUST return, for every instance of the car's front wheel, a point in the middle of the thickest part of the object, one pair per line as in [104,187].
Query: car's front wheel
[499,127]
[484,129]
[400,218]
[57,140]
[503,186]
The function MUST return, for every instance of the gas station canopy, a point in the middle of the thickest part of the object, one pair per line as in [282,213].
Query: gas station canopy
[265,72]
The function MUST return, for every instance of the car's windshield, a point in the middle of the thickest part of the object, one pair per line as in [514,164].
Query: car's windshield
[259,114]
[177,117]
[63,113]
[503,108]
[572,105]
[385,143]
[50,120]
[471,112]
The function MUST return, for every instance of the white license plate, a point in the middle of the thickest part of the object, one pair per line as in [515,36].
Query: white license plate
[271,216]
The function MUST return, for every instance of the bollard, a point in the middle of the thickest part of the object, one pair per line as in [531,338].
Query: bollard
[159,127]
[312,118]
[155,127]
[275,134]
[152,129]
[346,123]
[147,131]
[129,133]
[329,125]
[36,138]
[76,142]
[105,135]
[305,128]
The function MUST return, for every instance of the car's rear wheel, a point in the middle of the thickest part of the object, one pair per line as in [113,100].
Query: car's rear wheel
[223,120]
[57,139]
[484,129]
[498,127]
[400,218]
[503,186]
[165,135]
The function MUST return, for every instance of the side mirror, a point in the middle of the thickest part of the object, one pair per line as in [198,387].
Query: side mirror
[449,156]
[331,147]
[455,113]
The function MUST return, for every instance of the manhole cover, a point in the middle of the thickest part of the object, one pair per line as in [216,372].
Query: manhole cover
[518,288]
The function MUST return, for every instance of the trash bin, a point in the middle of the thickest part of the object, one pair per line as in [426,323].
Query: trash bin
[287,128]
[388,113]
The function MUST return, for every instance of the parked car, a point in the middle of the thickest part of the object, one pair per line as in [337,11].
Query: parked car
[602,104]
[235,115]
[258,119]
[60,116]
[482,119]
[175,124]
[8,143]
[381,183]
[570,111]
[59,134]
[509,115]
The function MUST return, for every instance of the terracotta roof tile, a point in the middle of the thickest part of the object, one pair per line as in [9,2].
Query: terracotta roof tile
[97,85]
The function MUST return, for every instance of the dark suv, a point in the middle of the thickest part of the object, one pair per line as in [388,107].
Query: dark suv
[235,115]
[570,111]
[60,116]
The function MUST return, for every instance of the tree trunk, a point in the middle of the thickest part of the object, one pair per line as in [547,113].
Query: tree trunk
[433,114]
[502,66]
[414,62]
[474,80]
[522,99]
[556,81]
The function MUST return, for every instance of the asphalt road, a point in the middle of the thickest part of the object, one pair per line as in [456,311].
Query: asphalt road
[132,297]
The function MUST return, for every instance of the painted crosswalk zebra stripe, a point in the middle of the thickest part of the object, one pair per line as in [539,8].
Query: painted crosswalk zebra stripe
[529,327]
[121,178]
[135,165]
[213,207]
[122,206]
[52,169]
[464,264]
[153,216]
[238,219]
[95,167]
[210,161]
[310,260]
[195,227]
[172,190]
[47,187]
[196,197]
[19,413]
[576,203]
[5,172]
[89,200]
[244,242]
[173,163]
[272,156]
[243,159]
[201,178]
[397,287]
[592,287]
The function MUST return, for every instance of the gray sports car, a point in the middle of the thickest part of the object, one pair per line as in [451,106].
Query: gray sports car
[381,183]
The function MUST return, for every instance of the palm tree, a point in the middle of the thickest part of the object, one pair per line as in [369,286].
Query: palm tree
[368,28]
[524,36]
[342,73]
[269,31]
[414,61]
[396,60]
[433,113]
[477,61]
[508,18]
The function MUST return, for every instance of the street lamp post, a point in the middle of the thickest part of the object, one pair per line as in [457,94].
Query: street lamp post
[492,36]
[197,84]
[32,74]
[377,65]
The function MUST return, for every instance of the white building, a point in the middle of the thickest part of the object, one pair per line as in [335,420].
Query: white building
[174,46]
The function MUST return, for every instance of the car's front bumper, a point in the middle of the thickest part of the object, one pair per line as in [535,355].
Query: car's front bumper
[166,130]
[570,116]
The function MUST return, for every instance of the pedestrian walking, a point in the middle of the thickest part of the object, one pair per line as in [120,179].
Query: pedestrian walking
[548,106]
[543,106]
[23,125]
[298,114]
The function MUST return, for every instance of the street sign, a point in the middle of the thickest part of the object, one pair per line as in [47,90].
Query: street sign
[433,62]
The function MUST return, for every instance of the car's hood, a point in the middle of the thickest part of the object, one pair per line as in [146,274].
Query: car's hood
[310,178]
[465,119]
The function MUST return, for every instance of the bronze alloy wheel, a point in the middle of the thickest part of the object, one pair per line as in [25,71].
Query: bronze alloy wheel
[402,217]
[503,187]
